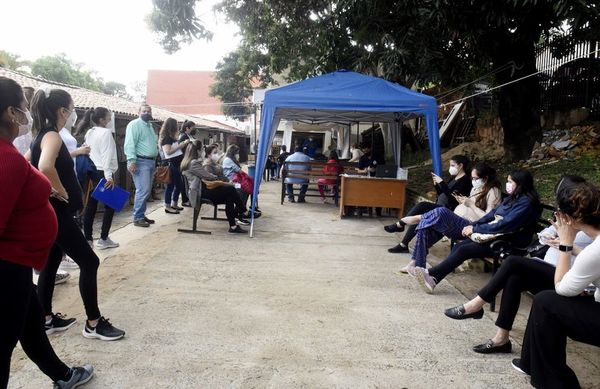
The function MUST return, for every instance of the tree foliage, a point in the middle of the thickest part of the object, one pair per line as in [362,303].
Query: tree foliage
[11,61]
[176,23]
[426,42]
[232,86]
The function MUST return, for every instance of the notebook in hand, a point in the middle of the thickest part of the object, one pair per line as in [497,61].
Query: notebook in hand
[115,197]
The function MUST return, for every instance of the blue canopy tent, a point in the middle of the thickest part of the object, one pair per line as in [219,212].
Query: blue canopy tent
[345,96]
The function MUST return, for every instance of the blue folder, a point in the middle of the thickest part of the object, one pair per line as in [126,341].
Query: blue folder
[114,198]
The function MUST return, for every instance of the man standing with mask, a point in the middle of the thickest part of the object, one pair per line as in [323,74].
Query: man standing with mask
[141,149]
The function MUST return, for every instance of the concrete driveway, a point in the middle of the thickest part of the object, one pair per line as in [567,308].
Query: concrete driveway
[310,301]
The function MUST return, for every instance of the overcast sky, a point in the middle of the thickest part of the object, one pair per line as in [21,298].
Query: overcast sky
[108,36]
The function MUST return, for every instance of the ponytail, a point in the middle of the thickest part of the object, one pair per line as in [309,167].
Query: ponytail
[44,108]
[90,119]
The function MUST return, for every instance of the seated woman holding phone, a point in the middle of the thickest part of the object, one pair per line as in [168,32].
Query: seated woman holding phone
[460,184]
[212,184]
[511,220]
[441,221]
[518,275]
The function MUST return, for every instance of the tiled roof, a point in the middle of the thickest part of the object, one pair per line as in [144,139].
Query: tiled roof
[85,98]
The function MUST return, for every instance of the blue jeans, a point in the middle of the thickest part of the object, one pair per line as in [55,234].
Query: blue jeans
[175,187]
[142,179]
[290,191]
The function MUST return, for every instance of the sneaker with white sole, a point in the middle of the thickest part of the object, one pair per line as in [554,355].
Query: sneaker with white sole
[107,243]
[59,323]
[516,364]
[78,377]
[61,277]
[242,222]
[103,331]
[68,263]
[426,281]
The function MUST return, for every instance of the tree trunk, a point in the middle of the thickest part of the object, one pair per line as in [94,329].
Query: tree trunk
[518,105]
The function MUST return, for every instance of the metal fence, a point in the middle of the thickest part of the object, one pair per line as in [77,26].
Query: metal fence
[572,81]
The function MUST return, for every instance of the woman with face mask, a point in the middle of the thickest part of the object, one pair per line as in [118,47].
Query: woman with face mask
[459,184]
[104,155]
[512,219]
[25,204]
[231,168]
[206,180]
[441,221]
[50,110]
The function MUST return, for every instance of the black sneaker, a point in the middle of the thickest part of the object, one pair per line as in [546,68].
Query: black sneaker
[103,331]
[149,221]
[59,323]
[141,223]
[393,228]
[397,249]
[79,376]
[237,230]
[242,222]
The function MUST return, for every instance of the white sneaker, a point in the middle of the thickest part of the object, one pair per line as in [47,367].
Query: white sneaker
[68,263]
[426,281]
[107,243]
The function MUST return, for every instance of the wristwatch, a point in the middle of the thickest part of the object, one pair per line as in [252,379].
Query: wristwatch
[564,248]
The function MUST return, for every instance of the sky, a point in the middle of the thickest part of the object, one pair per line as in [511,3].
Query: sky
[108,36]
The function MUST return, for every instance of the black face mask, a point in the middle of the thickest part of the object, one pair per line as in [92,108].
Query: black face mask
[146,117]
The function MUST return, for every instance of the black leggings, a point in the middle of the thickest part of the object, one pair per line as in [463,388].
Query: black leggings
[461,251]
[226,194]
[70,240]
[516,275]
[23,321]
[418,209]
[90,212]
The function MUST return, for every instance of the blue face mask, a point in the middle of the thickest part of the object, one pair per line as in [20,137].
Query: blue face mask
[146,117]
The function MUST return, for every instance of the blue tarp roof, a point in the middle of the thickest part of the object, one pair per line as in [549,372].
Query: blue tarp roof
[349,97]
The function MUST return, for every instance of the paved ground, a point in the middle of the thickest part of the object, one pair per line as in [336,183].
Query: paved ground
[311,301]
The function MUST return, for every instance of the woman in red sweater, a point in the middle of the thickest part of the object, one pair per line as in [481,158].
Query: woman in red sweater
[23,204]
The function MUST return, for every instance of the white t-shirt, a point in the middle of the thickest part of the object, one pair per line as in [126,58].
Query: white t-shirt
[103,150]
[585,271]
[23,142]
[581,241]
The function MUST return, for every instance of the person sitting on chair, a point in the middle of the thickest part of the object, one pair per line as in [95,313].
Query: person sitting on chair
[298,156]
[332,167]
[213,187]
[460,184]
[509,219]
[441,221]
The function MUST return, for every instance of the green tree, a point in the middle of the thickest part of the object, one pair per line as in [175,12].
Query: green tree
[116,89]
[232,85]
[413,41]
[11,61]
[61,69]
[176,23]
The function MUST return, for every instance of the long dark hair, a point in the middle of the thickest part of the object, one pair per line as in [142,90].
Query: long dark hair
[488,173]
[11,94]
[186,125]
[192,151]
[169,128]
[44,107]
[91,117]
[525,187]
[462,160]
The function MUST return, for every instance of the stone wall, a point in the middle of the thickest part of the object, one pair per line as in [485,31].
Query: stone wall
[490,133]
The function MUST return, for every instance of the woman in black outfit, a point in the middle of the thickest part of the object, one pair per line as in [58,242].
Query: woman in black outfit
[460,183]
[50,110]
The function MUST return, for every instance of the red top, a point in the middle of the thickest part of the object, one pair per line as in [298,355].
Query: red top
[28,223]
[332,167]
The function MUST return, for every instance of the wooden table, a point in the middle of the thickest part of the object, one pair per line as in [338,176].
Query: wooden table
[362,191]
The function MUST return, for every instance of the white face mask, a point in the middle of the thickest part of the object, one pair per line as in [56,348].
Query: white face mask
[215,157]
[478,183]
[509,188]
[453,170]
[237,157]
[26,127]
[71,120]
[111,123]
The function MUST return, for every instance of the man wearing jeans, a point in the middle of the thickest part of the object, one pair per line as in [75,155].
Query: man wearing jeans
[141,149]
[298,156]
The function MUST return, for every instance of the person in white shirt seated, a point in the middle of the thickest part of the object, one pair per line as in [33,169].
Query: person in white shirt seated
[571,310]
[355,152]
[103,153]
[517,275]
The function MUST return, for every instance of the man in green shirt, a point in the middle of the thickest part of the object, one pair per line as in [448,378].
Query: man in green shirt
[141,149]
